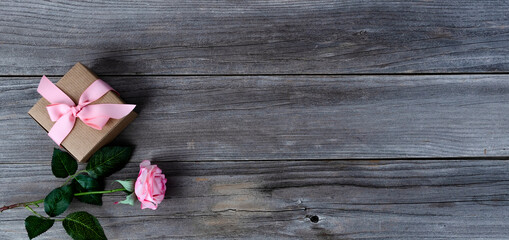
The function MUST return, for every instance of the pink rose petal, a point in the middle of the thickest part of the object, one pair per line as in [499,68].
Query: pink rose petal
[150,186]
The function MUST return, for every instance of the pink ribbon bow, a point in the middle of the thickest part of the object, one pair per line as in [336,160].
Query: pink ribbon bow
[63,111]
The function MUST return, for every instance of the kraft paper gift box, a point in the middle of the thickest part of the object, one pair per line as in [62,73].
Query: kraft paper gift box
[83,140]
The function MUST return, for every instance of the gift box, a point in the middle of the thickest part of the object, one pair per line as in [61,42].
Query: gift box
[84,137]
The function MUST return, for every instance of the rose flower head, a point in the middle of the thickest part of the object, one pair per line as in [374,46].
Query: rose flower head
[150,186]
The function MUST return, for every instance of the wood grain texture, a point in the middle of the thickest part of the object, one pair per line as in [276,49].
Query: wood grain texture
[265,115]
[254,37]
[417,199]
[289,117]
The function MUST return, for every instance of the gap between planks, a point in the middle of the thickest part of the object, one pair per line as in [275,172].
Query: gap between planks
[270,75]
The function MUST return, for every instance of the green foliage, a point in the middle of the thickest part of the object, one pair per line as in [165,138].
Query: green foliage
[35,226]
[63,164]
[108,160]
[130,199]
[83,226]
[58,200]
[127,184]
[84,183]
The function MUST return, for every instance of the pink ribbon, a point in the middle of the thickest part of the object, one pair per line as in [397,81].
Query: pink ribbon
[63,111]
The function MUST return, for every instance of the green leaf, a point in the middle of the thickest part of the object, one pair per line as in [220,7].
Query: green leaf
[108,160]
[35,226]
[83,226]
[84,183]
[127,184]
[62,164]
[129,199]
[58,200]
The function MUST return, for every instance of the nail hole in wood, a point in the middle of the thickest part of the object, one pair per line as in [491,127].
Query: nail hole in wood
[314,219]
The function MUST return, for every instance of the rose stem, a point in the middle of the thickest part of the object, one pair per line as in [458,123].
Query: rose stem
[21,205]
[42,200]
[100,192]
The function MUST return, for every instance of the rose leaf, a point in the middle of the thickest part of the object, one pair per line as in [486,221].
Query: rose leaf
[57,201]
[35,226]
[108,160]
[83,226]
[63,164]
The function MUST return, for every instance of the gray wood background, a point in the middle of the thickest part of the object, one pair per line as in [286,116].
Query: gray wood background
[378,119]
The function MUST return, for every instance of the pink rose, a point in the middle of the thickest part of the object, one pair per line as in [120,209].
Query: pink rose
[150,185]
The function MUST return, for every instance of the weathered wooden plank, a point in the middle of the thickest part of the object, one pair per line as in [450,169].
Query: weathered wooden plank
[254,37]
[289,117]
[415,199]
